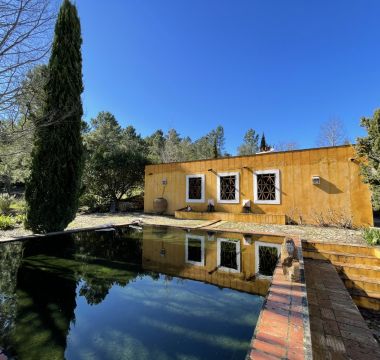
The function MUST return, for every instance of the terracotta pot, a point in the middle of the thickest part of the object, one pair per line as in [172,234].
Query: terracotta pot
[160,205]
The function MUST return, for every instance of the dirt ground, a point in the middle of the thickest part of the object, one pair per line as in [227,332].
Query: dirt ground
[307,232]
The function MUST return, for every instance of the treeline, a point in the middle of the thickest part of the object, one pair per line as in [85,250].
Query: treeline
[171,147]
[114,157]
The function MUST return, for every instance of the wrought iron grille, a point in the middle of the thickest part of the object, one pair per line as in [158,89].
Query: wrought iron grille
[228,255]
[228,187]
[194,250]
[266,186]
[268,257]
[195,188]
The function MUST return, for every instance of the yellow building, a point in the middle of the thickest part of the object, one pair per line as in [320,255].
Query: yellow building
[223,259]
[320,185]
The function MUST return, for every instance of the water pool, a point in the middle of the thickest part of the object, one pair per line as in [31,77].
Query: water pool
[150,293]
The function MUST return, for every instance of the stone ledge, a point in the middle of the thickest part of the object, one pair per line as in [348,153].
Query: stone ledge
[239,217]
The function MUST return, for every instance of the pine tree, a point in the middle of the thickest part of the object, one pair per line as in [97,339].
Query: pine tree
[250,145]
[57,159]
[368,151]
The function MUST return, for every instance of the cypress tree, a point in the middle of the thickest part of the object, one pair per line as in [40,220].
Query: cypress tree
[215,147]
[57,159]
[263,144]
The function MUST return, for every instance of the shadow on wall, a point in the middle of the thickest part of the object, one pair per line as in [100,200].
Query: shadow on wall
[328,187]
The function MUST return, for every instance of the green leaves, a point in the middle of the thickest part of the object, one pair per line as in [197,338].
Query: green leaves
[368,151]
[250,145]
[371,236]
[116,159]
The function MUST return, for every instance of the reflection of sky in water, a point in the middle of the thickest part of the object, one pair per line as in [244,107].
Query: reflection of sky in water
[92,296]
[160,319]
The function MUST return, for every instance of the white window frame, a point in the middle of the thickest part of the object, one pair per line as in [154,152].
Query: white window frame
[257,257]
[196,237]
[202,199]
[277,201]
[238,255]
[237,187]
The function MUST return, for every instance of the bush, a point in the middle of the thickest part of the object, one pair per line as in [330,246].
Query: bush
[19,219]
[5,204]
[7,222]
[93,203]
[19,206]
[371,236]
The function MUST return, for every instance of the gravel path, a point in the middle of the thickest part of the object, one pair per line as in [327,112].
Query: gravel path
[305,231]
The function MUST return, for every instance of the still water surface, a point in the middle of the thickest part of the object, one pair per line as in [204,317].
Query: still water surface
[155,293]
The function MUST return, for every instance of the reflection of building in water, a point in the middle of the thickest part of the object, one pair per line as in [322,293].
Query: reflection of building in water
[223,259]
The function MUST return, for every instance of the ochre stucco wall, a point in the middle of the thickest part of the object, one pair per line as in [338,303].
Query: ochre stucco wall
[341,189]
[174,262]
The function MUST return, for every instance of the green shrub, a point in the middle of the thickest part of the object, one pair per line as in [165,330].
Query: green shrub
[371,236]
[19,219]
[5,204]
[19,206]
[93,203]
[7,222]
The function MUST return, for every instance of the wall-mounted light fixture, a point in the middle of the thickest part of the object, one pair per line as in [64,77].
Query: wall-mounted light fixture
[210,235]
[247,239]
[209,170]
[316,180]
[164,181]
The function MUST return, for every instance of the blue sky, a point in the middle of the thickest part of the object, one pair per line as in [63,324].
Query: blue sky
[278,66]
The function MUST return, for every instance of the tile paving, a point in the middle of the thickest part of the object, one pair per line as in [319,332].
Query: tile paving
[338,330]
[282,331]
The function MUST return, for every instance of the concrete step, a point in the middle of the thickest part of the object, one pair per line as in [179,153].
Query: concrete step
[341,257]
[362,283]
[340,248]
[368,271]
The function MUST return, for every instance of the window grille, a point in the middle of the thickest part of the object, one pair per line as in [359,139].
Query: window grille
[228,187]
[266,186]
[194,250]
[195,188]
[268,257]
[228,255]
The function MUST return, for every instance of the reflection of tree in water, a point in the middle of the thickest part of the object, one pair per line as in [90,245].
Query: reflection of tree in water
[10,259]
[107,258]
[45,300]
[39,283]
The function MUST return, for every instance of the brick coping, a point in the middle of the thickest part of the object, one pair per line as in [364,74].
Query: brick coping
[283,327]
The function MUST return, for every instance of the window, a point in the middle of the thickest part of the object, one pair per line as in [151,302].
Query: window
[195,249]
[195,188]
[228,255]
[228,187]
[266,185]
[266,257]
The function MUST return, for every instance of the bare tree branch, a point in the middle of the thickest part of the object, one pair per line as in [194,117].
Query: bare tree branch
[25,39]
[332,133]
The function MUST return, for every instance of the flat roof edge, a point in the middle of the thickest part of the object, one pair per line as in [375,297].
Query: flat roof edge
[254,155]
